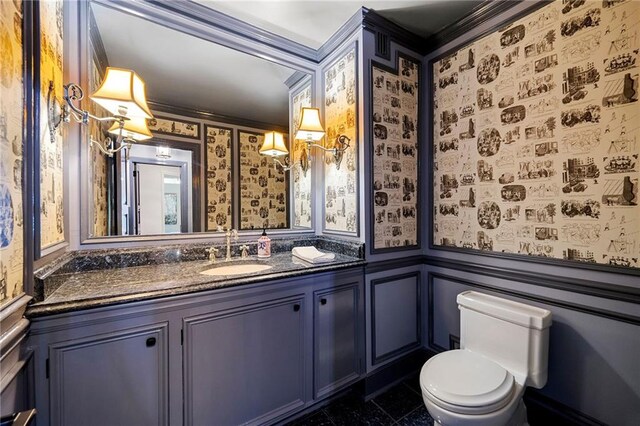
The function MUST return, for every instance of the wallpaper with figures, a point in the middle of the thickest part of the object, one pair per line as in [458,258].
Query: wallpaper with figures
[218,177]
[536,136]
[263,188]
[11,107]
[340,181]
[51,172]
[97,159]
[301,181]
[395,155]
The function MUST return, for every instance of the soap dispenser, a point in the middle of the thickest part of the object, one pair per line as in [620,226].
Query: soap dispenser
[264,245]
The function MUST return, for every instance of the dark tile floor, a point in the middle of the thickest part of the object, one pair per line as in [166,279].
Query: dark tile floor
[400,405]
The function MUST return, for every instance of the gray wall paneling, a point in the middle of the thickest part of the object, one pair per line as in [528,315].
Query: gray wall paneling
[593,364]
[394,322]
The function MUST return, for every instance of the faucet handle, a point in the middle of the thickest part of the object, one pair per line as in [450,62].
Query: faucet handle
[244,251]
[213,252]
[234,234]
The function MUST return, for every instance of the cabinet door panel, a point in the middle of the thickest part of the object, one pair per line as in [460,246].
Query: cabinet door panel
[113,379]
[336,340]
[244,365]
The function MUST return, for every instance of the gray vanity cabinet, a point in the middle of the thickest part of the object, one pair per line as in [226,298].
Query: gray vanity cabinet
[336,338]
[254,354]
[114,378]
[245,365]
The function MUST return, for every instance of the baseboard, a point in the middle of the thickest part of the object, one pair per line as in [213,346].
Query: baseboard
[393,373]
[542,410]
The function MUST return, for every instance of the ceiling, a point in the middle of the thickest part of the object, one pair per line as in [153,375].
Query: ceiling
[312,22]
[186,71]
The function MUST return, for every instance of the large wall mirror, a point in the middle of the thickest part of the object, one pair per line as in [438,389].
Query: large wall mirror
[212,106]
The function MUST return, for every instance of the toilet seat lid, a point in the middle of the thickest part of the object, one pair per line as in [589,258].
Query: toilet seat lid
[467,379]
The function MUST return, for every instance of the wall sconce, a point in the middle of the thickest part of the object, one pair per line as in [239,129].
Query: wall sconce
[310,130]
[274,146]
[122,93]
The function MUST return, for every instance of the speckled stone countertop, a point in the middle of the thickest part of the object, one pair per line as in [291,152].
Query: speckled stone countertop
[90,279]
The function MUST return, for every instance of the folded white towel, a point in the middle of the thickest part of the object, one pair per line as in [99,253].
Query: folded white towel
[312,255]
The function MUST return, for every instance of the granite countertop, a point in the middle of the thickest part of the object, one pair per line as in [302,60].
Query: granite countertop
[65,289]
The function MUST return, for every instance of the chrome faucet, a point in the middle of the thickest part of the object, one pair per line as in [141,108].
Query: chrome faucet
[244,251]
[231,233]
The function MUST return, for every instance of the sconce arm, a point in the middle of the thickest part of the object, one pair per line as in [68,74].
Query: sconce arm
[74,93]
[341,139]
[284,165]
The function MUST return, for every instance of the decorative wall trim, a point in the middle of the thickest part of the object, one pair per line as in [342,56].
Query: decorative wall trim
[377,24]
[479,15]
[385,265]
[592,288]
[615,316]
[295,78]
[418,146]
[543,410]
[30,173]
[378,358]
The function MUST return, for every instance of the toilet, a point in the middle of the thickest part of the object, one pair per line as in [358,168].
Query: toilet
[503,349]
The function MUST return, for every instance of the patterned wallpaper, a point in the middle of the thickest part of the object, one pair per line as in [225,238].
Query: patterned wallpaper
[536,136]
[51,162]
[11,107]
[263,188]
[218,162]
[395,155]
[340,183]
[97,159]
[301,182]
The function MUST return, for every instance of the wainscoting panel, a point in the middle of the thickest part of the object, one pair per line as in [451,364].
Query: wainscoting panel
[590,351]
[394,319]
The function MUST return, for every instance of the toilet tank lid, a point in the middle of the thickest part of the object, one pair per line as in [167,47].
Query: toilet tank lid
[507,310]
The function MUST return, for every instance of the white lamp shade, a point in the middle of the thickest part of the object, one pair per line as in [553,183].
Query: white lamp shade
[273,145]
[135,128]
[310,126]
[122,93]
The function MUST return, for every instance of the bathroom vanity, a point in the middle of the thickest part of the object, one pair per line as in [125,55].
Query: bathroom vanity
[165,344]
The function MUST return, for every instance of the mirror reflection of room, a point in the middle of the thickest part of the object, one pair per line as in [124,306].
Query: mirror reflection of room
[211,108]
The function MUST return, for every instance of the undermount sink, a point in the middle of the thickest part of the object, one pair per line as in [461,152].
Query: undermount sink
[244,268]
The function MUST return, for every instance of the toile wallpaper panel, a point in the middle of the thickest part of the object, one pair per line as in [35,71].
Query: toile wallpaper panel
[51,160]
[263,188]
[301,181]
[218,191]
[535,136]
[11,151]
[395,155]
[340,115]
[97,159]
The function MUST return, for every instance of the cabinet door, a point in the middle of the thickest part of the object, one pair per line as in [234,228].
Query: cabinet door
[336,339]
[244,365]
[120,378]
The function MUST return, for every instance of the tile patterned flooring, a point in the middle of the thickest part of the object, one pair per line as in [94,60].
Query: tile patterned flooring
[400,405]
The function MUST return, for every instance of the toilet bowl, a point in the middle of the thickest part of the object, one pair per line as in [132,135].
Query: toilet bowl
[463,388]
[503,350]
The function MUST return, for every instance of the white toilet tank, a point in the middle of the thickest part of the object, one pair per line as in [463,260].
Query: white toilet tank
[512,334]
